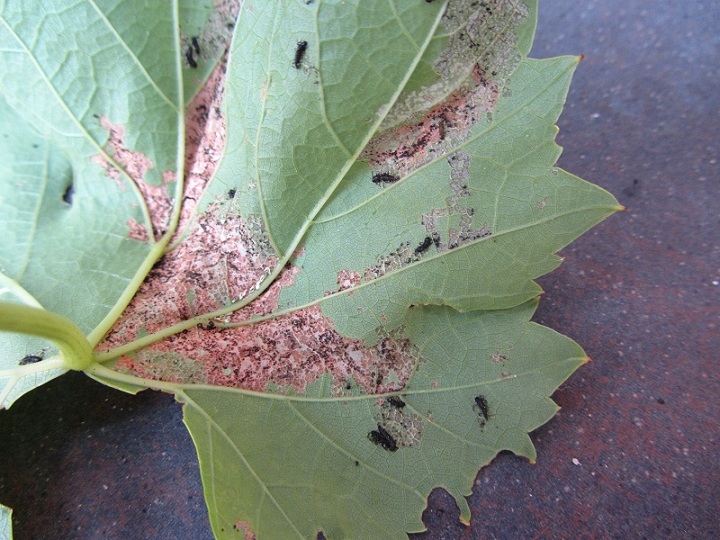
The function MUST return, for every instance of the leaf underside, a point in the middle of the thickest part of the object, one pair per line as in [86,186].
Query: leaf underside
[327,253]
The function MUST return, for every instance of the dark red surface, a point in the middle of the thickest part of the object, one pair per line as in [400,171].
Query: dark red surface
[640,293]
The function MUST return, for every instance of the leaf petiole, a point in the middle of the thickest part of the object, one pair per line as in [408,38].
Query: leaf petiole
[75,349]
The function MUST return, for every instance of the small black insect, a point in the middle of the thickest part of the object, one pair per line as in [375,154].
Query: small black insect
[299,53]
[396,402]
[68,195]
[384,178]
[482,404]
[382,438]
[424,245]
[189,58]
[357,463]
[231,194]
[195,44]
[30,359]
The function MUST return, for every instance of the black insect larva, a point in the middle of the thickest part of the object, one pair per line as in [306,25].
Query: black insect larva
[299,53]
[195,44]
[231,194]
[482,404]
[382,438]
[384,178]
[68,194]
[30,359]
[396,402]
[424,245]
[189,58]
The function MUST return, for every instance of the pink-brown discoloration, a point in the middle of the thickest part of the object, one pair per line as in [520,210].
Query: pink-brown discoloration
[204,141]
[224,259]
[404,148]
[136,165]
[217,263]
[244,527]
[290,351]
[347,279]
[137,231]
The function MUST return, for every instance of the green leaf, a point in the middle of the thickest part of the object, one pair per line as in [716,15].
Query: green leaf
[338,284]
[305,463]
[5,523]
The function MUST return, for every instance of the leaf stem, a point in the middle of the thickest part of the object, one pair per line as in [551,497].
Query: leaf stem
[71,341]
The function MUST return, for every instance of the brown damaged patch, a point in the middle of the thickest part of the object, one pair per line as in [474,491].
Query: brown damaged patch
[290,351]
[205,135]
[481,38]
[402,425]
[347,279]
[479,55]
[220,261]
[136,165]
[401,150]
[467,231]
[245,529]
[483,33]
[216,34]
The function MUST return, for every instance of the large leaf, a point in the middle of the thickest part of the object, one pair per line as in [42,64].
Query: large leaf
[343,306]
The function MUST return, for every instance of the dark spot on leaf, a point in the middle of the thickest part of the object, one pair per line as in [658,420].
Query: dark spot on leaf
[357,463]
[382,438]
[424,245]
[189,56]
[30,359]
[68,194]
[231,194]
[299,53]
[384,178]
[395,402]
[195,44]
[482,404]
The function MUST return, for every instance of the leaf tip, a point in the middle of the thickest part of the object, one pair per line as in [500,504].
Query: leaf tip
[585,360]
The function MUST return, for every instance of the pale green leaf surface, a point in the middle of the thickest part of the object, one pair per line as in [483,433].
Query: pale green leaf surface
[291,466]
[530,209]
[5,523]
[294,132]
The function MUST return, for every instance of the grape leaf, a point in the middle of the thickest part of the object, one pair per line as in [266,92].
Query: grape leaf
[343,306]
